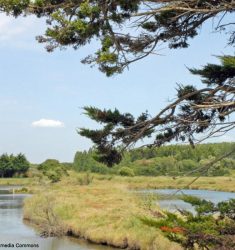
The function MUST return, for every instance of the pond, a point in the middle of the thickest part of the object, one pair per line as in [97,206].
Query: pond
[14,232]
[169,202]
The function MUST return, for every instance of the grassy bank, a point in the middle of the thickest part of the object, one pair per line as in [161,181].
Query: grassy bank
[16,181]
[104,212]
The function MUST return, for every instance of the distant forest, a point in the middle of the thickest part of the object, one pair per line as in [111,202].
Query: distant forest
[11,165]
[173,160]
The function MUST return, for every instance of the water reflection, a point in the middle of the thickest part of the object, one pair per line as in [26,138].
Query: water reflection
[172,204]
[50,244]
[14,231]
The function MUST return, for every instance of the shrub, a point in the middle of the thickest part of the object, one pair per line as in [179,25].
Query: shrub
[54,176]
[53,169]
[212,226]
[125,171]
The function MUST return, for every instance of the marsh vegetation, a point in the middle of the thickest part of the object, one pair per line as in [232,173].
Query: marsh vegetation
[107,209]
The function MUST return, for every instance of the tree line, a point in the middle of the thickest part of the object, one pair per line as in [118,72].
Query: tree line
[11,165]
[172,160]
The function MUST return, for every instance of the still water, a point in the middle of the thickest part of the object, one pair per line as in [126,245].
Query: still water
[170,203]
[14,232]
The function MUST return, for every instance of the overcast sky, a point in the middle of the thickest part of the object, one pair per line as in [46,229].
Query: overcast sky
[41,94]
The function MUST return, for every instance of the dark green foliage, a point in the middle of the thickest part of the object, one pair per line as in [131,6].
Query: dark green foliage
[197,111]
[214,74]
[203,111]
[227,209]
[201,206]
[77,23]
[53,169]
[14,7]
[11,165]
[211,228]
[128,31]
[102,138]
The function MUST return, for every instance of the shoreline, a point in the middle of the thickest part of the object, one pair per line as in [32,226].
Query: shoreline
[72,236]
[104,212]
[68,235]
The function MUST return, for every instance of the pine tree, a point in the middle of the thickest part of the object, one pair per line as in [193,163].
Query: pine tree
[195,111]
[153,22]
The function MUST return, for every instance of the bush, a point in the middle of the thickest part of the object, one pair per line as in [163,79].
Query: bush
[125,171]
[53,169]
[54,176]
[212,226]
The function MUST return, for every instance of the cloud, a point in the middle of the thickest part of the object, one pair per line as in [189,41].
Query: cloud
[47,123]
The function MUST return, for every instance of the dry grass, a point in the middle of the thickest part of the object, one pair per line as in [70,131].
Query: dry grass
[15,181]
[208,183]
[223,183]
[104,212]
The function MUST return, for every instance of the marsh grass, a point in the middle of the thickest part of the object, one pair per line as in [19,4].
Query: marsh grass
[224,183]
[45,217]
[103,212]
[15,181]
[107,210]
[164,182]
[85,179]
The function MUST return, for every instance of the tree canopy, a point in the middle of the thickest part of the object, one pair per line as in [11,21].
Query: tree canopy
[126,30]
[195,111]
[11,165]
